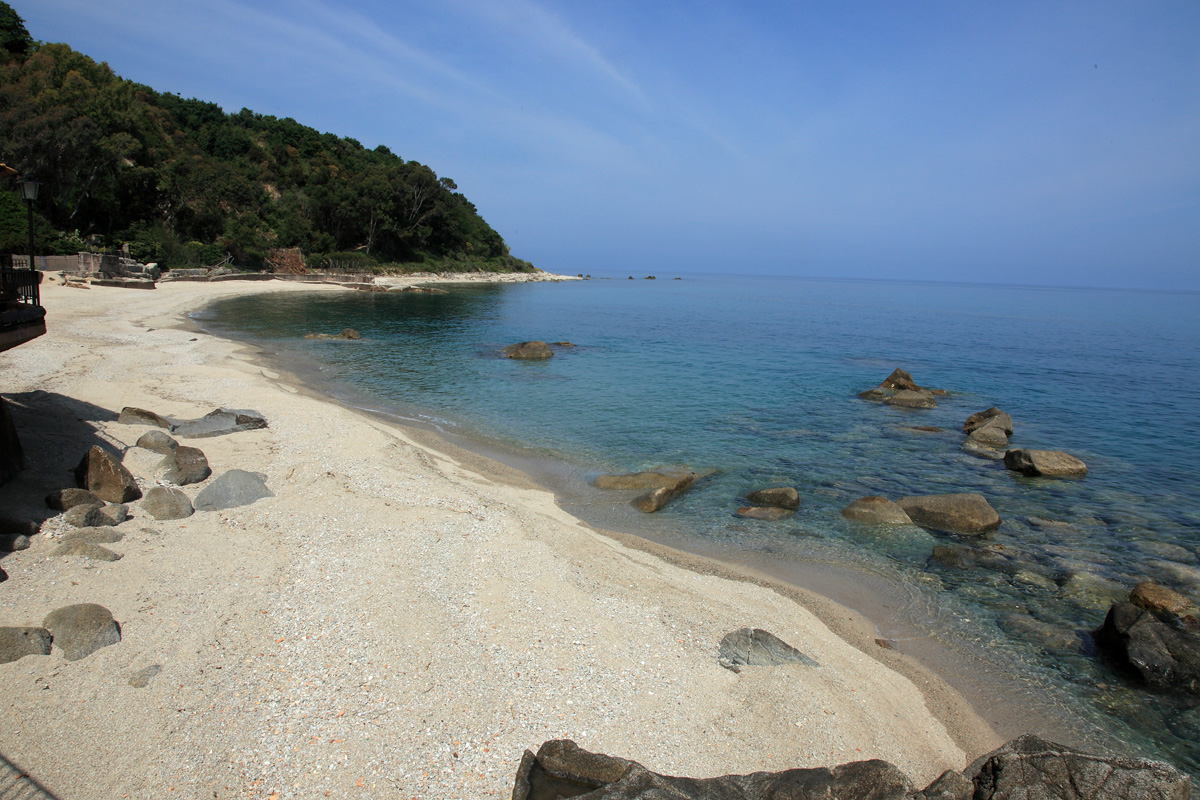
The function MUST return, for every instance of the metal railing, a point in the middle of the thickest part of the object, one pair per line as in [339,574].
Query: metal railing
[21,285]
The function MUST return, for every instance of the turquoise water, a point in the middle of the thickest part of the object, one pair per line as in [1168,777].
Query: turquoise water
[754,380]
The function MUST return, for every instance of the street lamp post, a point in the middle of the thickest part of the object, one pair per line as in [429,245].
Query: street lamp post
[29,191]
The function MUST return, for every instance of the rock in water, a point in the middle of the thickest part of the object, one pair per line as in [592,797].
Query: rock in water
[16,643]
[907,398]
[958,513]
[991,416]
[876,510]
[780,497]
[764,513]
[534,349]
[1160,654]
[754,647]
[237,487]
[664,477]
[80,630]
[899,380]
[103,474]
[164,503]
[1044,463]
[1161,600]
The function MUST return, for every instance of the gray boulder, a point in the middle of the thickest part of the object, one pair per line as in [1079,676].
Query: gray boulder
[184,465]
[97,535]
[220,422]
[232,489]
[79,547]
[166,503]
[664,477]
[990,434]
[528,350]
[1044,463]
[157,442]
[992,416]
[876,510]
[780,497]
[765,513]
[754,647]
[96,515]
[1160,654]
[16,643]
[140,416]
[80,630]
[12,542]
[103,474]
[958,513]
[907,398]
[66,499]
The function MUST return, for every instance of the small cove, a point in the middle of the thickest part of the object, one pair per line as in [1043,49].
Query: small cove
[755,380]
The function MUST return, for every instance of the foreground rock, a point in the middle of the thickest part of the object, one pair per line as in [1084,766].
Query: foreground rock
[232,489]
[103,474]
[779,496]
[184,465]
[1027,768]
[80,630]
[528,350]
[96,515]
[876,510]
[166,503]
[1044,463]
[1159,653]
[958,513]
[16,643]
[754,647]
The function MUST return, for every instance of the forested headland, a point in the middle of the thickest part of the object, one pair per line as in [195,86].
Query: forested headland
[182,183]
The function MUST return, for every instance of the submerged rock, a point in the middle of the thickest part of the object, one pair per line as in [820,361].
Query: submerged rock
[528,350]
[875,510]
[906,398]
[663,477]
[781,497]
[958,513]
[1160,654]
[1044,463]
[765,513]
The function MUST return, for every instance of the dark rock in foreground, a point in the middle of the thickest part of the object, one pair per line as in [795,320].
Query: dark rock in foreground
[779,496]
[16,643]
[66,499]
[876,510]
[80,630]
[530,350]
[754,647]
[1027,768]
[1044,463]
[237,487]
[103,474]
[1159,653]
[96,515]
[958,513]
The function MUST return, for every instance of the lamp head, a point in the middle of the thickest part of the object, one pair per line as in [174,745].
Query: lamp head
[29,189]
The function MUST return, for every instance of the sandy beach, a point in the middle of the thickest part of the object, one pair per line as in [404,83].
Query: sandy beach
[402,619]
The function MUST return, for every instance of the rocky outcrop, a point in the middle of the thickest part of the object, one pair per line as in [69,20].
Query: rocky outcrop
[162,502]
[140,416]
[103,474]
[1158,651]
[16,643]
[528,350]
[754,647]
[899,389]
[80,630]
[184,465]
[898,381]
[1028,768]
[957,513]
[779,497]
[876,510]
[219,423]
[66,499]
[764,513]
[1044,463]
[232,489]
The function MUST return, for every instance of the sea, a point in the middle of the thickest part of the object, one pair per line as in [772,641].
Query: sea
[753,382]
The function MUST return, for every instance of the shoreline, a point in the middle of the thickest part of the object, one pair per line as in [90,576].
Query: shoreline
[599,631]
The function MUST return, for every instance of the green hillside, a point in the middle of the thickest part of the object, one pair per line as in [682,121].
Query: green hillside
[185,184]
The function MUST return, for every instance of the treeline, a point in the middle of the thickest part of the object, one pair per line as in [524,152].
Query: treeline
[185,184]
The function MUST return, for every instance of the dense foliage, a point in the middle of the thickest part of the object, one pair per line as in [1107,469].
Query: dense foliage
[183,183]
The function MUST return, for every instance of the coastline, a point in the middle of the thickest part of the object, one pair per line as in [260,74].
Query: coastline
[322,639]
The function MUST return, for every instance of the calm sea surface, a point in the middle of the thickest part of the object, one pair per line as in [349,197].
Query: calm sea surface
[755,380]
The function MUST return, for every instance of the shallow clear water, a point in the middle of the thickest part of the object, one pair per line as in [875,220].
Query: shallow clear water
[755,380]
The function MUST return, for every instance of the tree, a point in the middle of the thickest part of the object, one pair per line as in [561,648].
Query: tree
[15,41]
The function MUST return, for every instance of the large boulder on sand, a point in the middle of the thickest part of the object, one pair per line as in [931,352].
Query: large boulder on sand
[876,510]
[66,499]
[531,350]
[184,465]
[82,629]
[232,489]
[754,647]
[103,474]
[958,513]
[220,422]
[164,503]
[1044,463]
[16,643]
[157,442]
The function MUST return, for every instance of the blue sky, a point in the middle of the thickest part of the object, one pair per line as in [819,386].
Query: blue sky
[1037,143]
